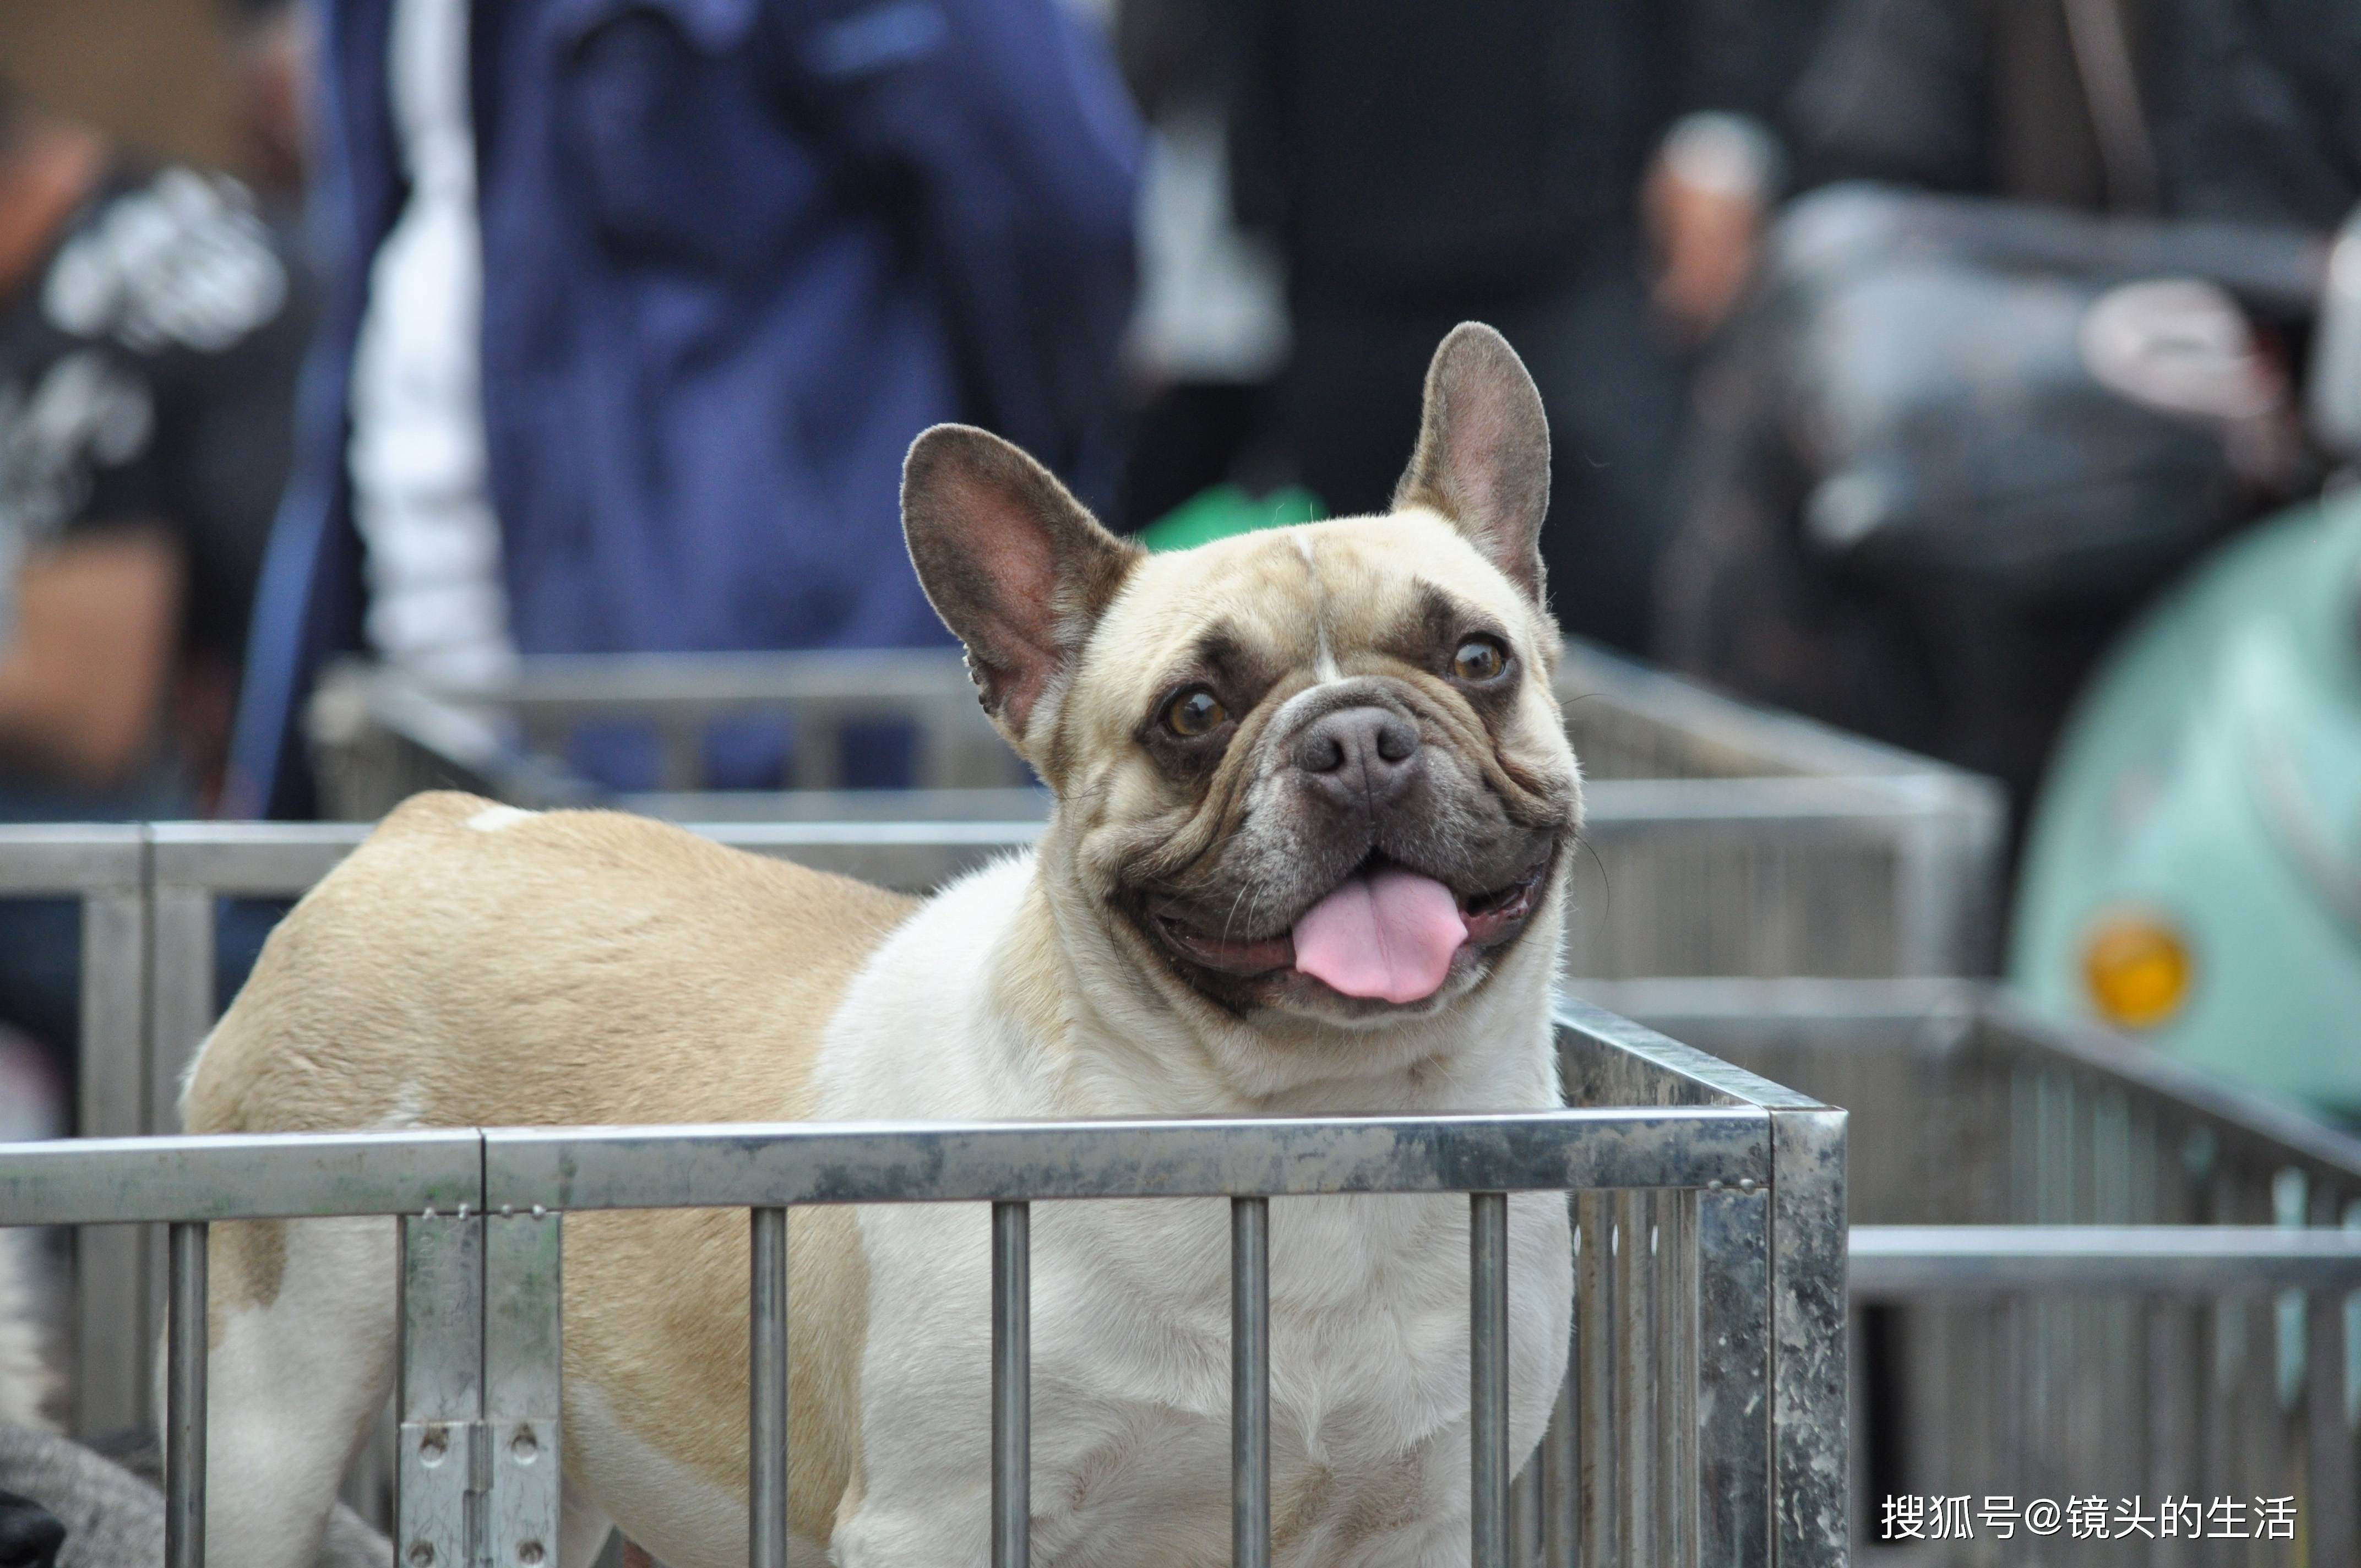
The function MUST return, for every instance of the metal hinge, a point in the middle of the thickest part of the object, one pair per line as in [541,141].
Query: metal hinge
[480,1333]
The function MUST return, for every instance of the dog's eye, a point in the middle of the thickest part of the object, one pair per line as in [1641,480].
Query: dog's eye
[1479,659]
[1195,712]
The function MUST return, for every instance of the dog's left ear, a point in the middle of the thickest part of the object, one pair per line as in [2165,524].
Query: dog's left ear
[1017,568]
[1483,457]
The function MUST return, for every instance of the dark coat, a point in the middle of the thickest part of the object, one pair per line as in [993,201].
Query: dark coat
[737,254]
[2250,110]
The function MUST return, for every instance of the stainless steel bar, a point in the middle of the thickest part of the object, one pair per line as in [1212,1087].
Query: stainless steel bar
[276,1176]
[1594,1329]
[1487,1379]
[2329,1448]
[818,747]
[1900,1261]
[114,1083]
[283,858]
[1559,1518]
[1734,1399]
[71,859]
[437,1501]
[81,1181]
[180,1010]
[1678,1366]
[523,1354]
[766,1416]
[1012,1384]
[184,1402]
[1250,1382]
[606,686]
[1525,1515]
[1009,812]
[1664,1356]
[1608,1059]
[114,1348]
[681,746]
[442,1310]
[1810,1359]
[747,1165]
[226,859]
[1635,1382]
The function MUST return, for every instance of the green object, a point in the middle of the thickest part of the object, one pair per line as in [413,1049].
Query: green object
[2211,778]
[1225,509]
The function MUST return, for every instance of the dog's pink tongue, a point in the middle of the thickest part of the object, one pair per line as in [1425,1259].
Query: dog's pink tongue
[1390,935]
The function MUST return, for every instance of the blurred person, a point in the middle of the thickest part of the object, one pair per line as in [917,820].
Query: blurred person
[2175,110]
[2192,108]
[1210,334]
[150,331]
[273,55]
[641,303]
[1423,164]
[2243,112]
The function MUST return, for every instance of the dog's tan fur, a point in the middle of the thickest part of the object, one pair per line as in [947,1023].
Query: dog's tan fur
[639,975]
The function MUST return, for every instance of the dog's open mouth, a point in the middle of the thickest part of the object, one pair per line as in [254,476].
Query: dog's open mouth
[1385,933]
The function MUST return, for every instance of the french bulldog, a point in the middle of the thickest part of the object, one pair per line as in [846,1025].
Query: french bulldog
[1313,804]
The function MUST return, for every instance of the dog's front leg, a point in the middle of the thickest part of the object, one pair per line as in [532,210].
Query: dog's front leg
[926,1393]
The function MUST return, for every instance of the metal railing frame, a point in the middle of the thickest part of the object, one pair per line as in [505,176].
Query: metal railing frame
[104,866]
[1713,1303]
[2176,1300]
[149,894]
[1892,1262]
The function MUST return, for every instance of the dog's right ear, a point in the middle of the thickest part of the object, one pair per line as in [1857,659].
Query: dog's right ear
[1483,457]
[1017,568]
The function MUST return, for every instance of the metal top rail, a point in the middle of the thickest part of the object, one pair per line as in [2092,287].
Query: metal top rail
[1945,1016]
[931,1162]
[277,1176]
[1742,1181]
[1641,1066]
[78,857]
[1757,740]
[284,858]
[1902,1261]
[285,1176]
[1733,736]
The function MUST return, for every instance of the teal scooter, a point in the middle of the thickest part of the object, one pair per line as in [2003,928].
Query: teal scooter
[2192,873]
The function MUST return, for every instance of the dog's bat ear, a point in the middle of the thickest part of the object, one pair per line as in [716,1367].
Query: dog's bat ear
[1017,568]
[1483,457]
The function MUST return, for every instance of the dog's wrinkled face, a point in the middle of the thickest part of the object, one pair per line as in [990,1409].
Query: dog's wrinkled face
[1317,771]
[1321,769]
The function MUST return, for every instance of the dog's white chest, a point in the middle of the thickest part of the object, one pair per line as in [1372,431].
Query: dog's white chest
[1131,1378]
[1130,1389]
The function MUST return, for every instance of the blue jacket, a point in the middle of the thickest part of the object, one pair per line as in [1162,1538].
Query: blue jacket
[737,254]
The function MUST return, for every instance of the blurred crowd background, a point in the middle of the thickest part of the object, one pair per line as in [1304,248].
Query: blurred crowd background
[1897,352]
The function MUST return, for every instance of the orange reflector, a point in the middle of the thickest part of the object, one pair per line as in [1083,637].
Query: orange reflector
[2137,968]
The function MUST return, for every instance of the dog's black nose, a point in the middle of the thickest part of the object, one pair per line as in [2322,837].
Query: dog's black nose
[30,1534]
[1357,754]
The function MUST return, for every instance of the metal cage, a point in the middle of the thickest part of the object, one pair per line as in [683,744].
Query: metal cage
[1701,1421]
[2078,1269]
[150,893]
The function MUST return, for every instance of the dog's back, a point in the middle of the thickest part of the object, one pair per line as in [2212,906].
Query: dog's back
[473,964]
